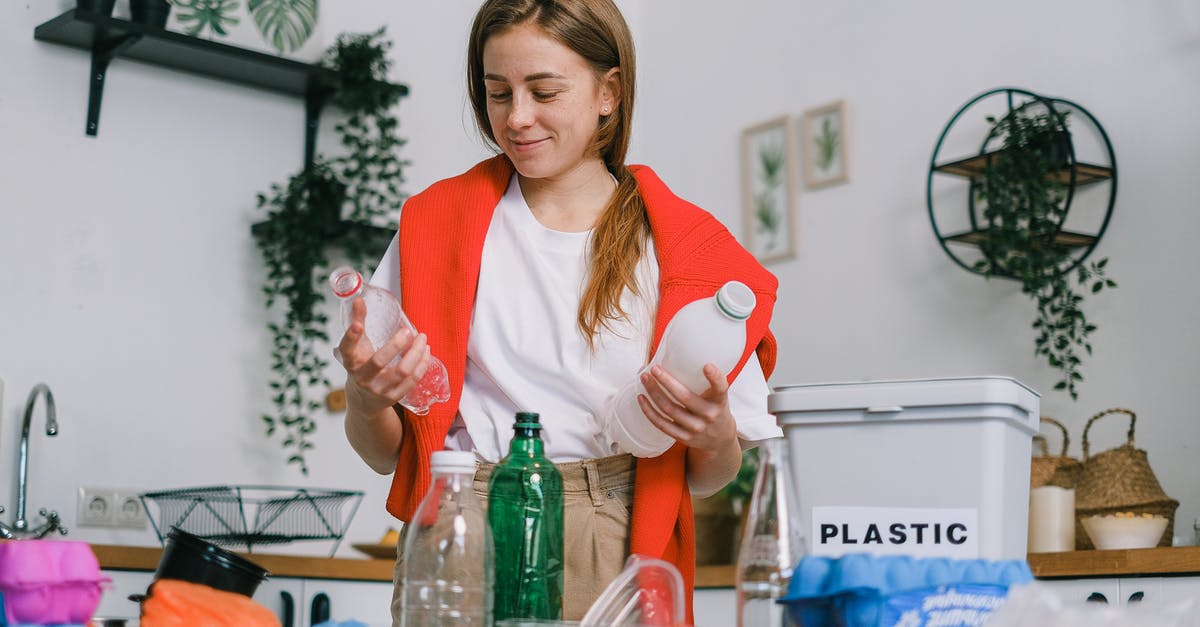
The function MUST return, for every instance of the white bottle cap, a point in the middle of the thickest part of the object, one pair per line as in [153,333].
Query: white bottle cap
[736,300]
[453,461]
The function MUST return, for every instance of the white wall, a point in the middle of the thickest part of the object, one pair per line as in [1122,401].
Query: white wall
[132,283]
[871,294]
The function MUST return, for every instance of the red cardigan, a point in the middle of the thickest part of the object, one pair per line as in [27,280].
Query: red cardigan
[442,231]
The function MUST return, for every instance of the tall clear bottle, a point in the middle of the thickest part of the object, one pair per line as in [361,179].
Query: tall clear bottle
[448,551]
[772,541]
[384,319]
[525,511]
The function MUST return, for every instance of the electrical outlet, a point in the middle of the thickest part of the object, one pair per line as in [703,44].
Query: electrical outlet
[128,511]
[95,507]
[110,507]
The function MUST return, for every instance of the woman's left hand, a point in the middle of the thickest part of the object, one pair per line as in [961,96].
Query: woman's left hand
[703,422]
[699,421]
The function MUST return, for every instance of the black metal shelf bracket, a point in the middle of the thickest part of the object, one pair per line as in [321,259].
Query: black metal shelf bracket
[104,50]
[314,101]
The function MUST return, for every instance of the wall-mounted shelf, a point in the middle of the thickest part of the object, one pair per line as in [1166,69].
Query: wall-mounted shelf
[974,167]
[1072,176]
[108,38]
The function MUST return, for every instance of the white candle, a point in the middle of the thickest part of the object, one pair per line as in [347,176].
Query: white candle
[1051,519]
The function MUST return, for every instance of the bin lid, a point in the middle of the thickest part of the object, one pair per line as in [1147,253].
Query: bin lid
[893,396]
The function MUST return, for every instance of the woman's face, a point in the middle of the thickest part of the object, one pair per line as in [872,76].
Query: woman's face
[544,101]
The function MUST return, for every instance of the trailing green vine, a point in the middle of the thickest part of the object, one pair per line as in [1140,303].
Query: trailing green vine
[1024,194]
[312,216]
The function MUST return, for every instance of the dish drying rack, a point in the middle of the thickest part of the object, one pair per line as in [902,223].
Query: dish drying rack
[279,515]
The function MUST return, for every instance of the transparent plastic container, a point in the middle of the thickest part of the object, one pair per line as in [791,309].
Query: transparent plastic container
[448,551]
[384,318]
[648,591]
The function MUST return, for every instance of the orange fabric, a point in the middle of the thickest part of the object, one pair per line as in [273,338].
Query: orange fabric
[442,231]
[174,603]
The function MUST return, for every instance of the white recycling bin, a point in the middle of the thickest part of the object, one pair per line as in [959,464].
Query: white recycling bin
[924,467]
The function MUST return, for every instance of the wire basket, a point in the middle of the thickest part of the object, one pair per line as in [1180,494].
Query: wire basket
[279,515]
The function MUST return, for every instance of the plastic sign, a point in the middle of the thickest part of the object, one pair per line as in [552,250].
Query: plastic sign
[919,532]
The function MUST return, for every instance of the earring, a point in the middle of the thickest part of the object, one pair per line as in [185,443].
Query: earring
[604,110]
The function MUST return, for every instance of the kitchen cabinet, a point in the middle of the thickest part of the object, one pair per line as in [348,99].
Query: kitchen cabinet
[714,607]
[115,603]
[365,601]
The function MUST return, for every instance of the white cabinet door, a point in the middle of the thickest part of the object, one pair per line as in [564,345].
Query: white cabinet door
[1179,589]
[1146,590]
[714,607]
[1078,591]
[115,603]
[284,597]
[365,601]
[368,602]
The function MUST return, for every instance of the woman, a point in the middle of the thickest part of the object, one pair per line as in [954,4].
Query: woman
[543,278]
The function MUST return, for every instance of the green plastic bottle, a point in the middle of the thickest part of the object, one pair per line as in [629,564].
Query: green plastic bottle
[525,511]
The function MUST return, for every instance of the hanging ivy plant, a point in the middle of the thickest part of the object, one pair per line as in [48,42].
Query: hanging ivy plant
[1025,205]
[319,214]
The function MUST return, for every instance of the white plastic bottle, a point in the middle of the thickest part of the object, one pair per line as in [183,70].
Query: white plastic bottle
[448,551]
[384,319]
[706,331]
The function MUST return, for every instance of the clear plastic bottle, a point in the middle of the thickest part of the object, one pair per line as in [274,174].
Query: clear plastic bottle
[709,330]
[384,319]
[525,512]
[772,542]
[448,551]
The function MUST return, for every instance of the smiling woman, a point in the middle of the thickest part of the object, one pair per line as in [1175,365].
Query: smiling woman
[556,268]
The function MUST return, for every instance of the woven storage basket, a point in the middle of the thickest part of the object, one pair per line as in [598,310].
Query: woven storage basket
[1119,480]
[1060,470]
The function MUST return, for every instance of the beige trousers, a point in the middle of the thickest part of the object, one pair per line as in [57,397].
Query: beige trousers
[597,505]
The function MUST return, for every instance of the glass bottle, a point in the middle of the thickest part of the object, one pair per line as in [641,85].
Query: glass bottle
[448,551]
[525,511]
[384,319]
[772,542]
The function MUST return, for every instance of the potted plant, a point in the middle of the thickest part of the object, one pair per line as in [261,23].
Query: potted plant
[329,209]
[720,517]
[1024,194]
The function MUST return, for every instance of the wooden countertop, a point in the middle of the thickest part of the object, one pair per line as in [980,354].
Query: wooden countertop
[1176,560]
[1182,560]
[146,558]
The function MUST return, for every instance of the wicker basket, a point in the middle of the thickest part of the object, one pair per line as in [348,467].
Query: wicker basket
[1060,470]
[1119,480]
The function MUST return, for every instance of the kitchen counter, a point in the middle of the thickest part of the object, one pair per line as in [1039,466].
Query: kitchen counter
[1176,560]
[1182,560]
[146,558]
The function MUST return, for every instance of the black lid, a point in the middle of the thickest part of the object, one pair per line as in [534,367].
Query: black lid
[527,424]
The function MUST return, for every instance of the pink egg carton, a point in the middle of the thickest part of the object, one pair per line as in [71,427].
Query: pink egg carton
[49,582]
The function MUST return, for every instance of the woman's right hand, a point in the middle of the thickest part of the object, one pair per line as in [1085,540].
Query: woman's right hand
[375,385]
[373,382]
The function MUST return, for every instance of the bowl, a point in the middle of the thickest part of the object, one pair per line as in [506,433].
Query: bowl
[1125,530]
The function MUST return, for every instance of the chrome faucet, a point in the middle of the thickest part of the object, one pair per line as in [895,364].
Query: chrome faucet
[20,527]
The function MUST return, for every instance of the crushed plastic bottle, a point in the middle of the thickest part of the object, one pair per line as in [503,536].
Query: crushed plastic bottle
[384,319]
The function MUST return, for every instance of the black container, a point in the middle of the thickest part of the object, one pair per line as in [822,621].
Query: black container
[103,7]
[152,12]
[189,558]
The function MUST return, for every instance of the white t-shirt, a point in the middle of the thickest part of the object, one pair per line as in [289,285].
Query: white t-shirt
[526,351]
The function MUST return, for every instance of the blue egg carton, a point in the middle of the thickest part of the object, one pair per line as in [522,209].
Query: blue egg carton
[861,590]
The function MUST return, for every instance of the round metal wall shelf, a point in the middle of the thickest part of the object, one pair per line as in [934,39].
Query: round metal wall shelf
[1089,174]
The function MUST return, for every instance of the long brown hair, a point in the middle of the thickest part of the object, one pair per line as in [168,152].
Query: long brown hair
[596,31]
